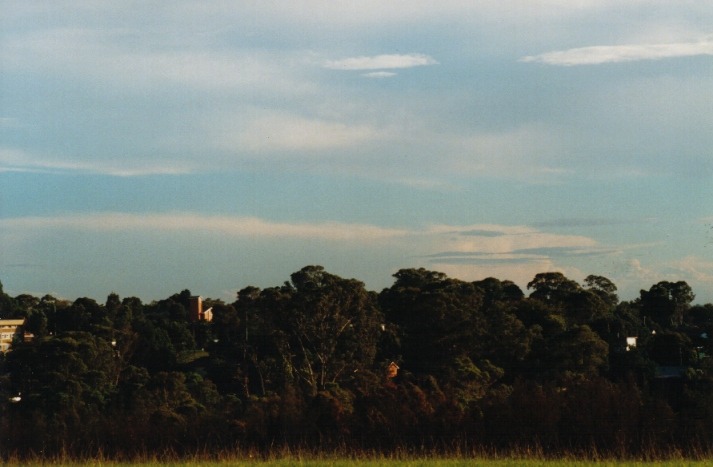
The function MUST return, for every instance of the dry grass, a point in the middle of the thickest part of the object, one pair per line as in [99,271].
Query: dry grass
[285,457]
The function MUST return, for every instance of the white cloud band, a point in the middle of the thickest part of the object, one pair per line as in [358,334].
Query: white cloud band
[480,240]
[381,62]
[197,223]
[597,55]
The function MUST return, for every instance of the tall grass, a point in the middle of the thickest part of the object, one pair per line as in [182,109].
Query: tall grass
[284,456]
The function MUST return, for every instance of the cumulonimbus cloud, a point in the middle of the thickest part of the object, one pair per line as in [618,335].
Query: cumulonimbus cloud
[381,62]
[596,55]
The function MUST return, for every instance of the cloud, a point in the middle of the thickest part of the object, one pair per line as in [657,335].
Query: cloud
[381,62]
[632,275]
[581,222]
[111,57]
[12,160]
[596,55]
[529,151]
[379,74]
[467,252]
[508,242]
[286,132]
[436,241]
[483,233]
[512,252]
[697,269]
[562,252]
[198,223]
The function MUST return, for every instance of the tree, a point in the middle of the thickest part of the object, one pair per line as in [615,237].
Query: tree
[321,327]
[671,349]
[332,325]
[603,288]
[7,304]
[499,291]
[26,303]
[447,328]
[112,305]
[579,306]
[154,349]
[552,288]
[439,319]
[666,303]
[577,351]
[36,323]
[66,383]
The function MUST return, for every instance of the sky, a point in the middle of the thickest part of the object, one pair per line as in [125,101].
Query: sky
[151,147]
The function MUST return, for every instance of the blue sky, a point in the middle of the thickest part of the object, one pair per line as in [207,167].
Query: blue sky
[149,147]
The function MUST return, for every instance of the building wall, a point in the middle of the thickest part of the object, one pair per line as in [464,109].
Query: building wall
[9,329]
[196,308]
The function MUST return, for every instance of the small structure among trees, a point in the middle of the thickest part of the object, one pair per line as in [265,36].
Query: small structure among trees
[392,370]
[196,312]
[12,330]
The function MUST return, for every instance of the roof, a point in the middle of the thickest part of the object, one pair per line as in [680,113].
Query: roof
[12,322]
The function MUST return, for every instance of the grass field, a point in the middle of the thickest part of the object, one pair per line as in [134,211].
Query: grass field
[432,462]
[284,456]
[411,463]
[375,462]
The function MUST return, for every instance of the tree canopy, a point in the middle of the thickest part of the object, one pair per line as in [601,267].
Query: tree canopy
[305,363]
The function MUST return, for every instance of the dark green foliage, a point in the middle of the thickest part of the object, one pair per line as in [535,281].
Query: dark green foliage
[666,303]
[439,319]
[304,364]
[576,352]
[8,306]
[317,331]
[603,288]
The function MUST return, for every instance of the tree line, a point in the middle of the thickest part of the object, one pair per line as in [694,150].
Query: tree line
[320,361]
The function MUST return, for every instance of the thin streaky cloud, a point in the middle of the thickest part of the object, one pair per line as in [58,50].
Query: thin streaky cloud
[600,54]
[482,233]
[429,239]
[12,160]
[191,222]
[581,222]
[107,59]
[379,74]
[381,62]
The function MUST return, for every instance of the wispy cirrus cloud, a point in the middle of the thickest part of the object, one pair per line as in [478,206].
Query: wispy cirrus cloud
[198,223]
[13,160]
[436,241]
[108,57]
[381,62]
[600,54]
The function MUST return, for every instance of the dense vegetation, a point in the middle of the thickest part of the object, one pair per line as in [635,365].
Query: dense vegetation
[305,364]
